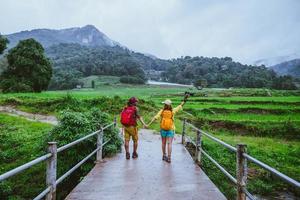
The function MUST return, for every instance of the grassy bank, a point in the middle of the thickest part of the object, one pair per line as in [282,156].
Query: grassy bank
[21,141]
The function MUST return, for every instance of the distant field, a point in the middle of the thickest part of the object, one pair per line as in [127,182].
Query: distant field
[115,90]
[99,81]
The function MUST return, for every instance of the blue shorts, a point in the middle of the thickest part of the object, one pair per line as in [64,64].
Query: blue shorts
[169,133]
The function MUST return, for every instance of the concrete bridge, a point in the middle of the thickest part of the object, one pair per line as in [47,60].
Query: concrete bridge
[147,177]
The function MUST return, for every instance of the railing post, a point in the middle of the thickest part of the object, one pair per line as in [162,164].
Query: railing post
[51,171]
[115,121]
[241,171]
[198,147]
[183,131]
[99,145]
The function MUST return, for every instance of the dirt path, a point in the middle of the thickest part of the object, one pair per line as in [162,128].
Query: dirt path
[148,177]
[30,116]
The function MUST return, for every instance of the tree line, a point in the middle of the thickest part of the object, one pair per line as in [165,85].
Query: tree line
[224,72]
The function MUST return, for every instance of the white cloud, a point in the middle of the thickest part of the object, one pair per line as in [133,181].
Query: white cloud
[244,30]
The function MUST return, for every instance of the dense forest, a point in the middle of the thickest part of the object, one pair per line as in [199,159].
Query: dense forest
[72,61]
[224,72]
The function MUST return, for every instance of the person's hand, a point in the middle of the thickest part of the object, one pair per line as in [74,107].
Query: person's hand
[145,126]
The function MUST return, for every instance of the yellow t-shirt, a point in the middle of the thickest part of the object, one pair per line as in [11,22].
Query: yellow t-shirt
[174,111]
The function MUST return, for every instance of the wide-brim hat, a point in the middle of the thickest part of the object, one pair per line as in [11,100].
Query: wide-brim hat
[167,102]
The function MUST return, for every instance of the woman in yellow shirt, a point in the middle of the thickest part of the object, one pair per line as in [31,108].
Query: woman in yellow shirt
[167,126]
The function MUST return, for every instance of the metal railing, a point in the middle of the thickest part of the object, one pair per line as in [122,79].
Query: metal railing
[241,161]
[51,158]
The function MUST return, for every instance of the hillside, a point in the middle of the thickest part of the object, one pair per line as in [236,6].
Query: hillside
[291,67]
[269,62]
[87,35]
[81,52]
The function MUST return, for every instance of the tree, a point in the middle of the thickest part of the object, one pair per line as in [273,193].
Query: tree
[284,83]
[200,83]
[28,68]
[3,43]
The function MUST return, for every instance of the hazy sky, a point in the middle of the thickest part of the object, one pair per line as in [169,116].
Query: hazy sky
[246,30]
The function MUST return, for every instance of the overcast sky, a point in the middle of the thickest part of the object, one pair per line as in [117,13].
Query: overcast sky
[245,30]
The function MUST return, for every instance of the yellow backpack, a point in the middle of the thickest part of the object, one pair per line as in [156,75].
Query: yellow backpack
[166,122]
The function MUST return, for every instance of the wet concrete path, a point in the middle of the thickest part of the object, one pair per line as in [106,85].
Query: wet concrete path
[147,177]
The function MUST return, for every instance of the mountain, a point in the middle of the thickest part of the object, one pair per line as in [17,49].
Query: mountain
[81,52]
[268,62]
[88,35]
[291,67]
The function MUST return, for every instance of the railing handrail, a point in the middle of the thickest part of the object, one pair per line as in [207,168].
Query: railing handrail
[228,146]
[273,171]
[45,157]
[25,166]
[246,156]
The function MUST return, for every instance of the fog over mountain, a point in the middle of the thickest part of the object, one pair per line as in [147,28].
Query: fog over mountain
[88,35]
[291,67]
[244,30]
[269,62]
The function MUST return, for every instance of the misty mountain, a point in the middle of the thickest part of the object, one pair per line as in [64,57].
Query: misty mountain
[268,62]
[82,52]
[291,67]
[88,35]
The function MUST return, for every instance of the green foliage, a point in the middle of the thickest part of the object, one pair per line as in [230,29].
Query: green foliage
[28,68]
[200,83]
[75,125]
[65,79]
[93,84]
[21,141]
[284,83]
[88,61]
[3,42]
[131,80]
[220,72]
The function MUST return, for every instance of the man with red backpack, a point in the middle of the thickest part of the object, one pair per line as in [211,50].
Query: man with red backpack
[129,117]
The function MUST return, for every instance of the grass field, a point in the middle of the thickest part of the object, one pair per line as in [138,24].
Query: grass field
[99,81]
[21,141]
[268,124]
[124,91]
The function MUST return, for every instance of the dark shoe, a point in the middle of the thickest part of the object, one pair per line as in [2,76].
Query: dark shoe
[135,155]
[169,159]
[164,158]
[127,156]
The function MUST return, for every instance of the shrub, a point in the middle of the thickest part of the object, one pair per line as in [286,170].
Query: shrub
[131,80]
[75,125]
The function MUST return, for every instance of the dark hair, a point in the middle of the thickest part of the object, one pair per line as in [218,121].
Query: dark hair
[167,107]
[131,104]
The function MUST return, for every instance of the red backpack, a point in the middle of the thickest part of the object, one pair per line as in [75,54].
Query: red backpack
[128,117]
